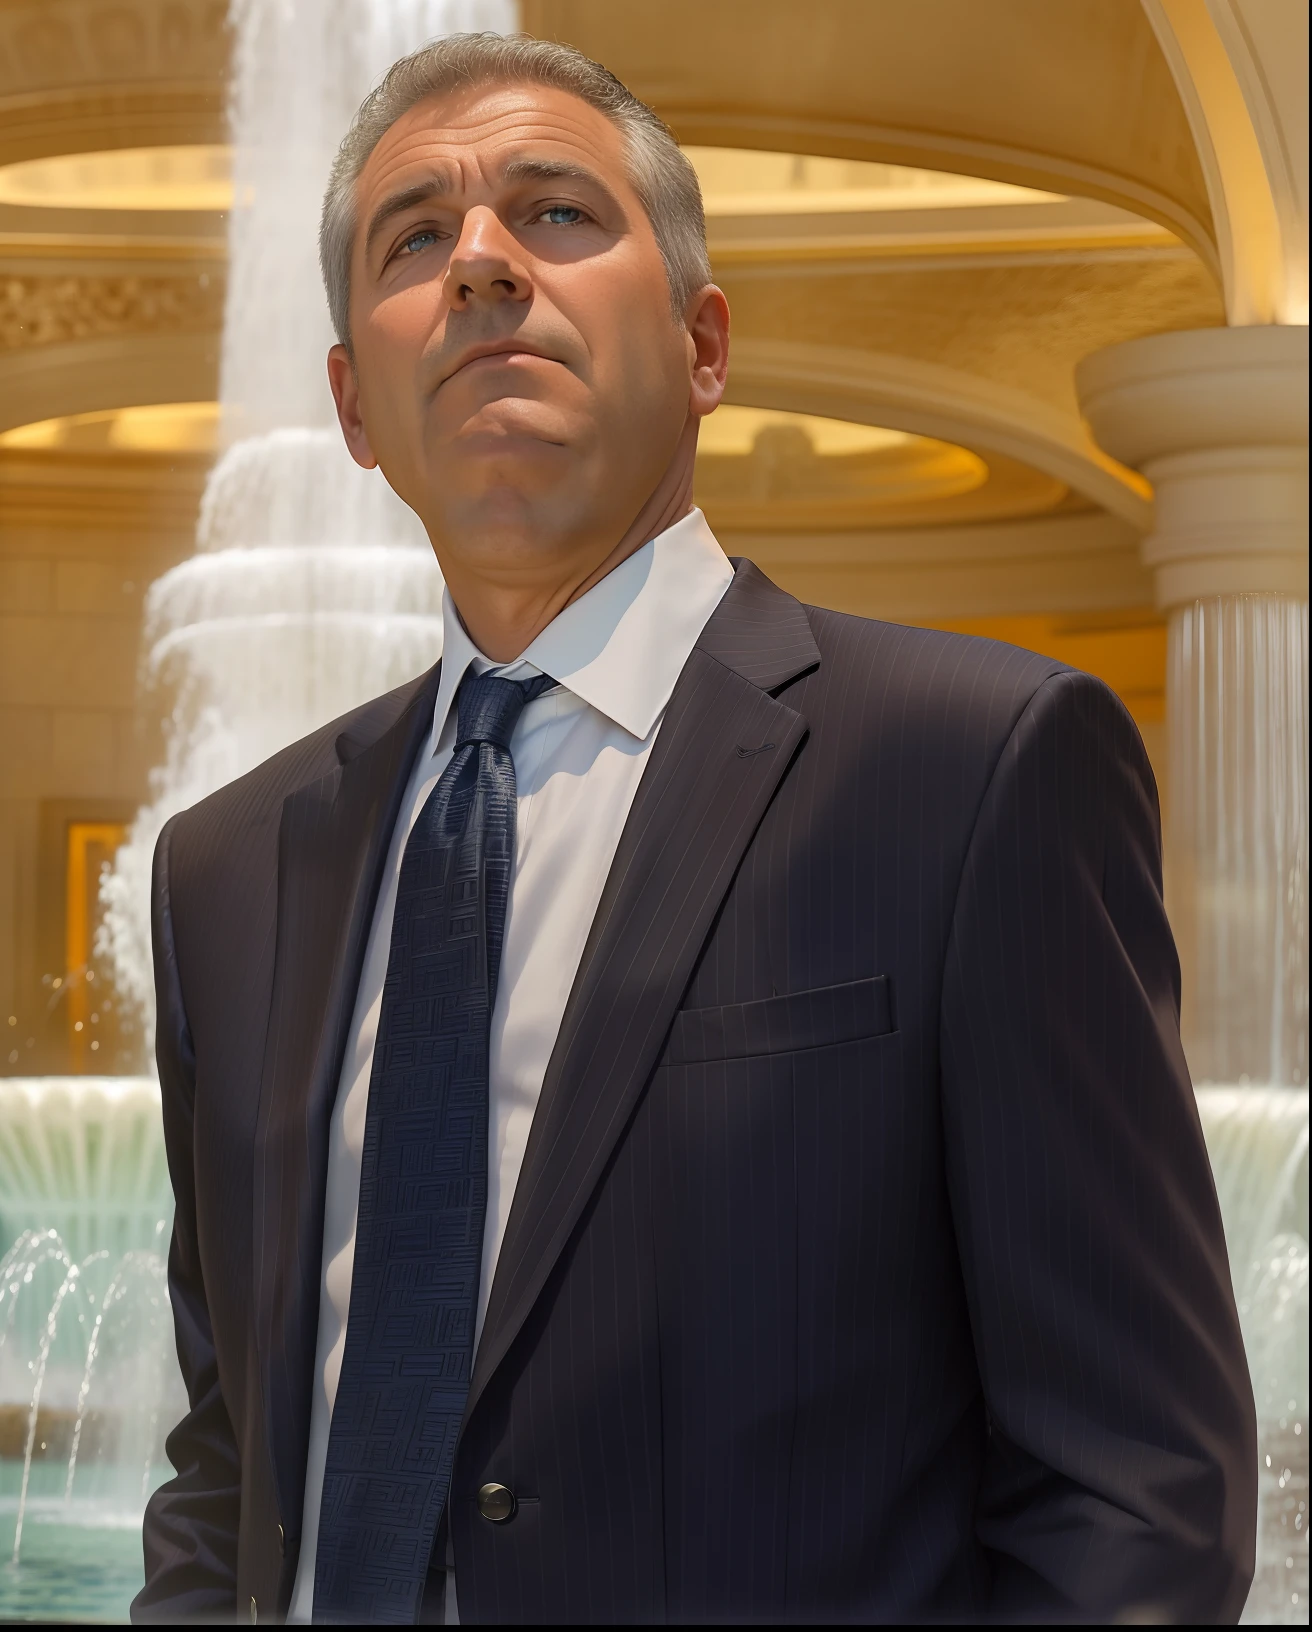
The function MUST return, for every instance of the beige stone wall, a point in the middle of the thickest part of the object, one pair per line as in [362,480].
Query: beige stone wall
[80,541]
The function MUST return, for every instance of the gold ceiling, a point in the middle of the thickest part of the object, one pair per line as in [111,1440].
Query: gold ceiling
[735,181]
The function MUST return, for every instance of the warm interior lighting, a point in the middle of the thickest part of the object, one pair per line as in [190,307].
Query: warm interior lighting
[166,427]
[746,181]
[764,468]
[130,178]
[732,432]
[192,427]
[91,848]
[757,456]
[735,181]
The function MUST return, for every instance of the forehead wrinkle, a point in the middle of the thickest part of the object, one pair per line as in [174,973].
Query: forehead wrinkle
[548,170]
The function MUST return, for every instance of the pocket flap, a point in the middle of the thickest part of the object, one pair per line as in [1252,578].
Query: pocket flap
[777,1025]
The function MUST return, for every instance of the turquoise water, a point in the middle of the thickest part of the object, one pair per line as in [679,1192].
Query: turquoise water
[85,1570]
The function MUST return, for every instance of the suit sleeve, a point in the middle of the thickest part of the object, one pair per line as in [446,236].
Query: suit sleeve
[190,1531]
[1121,1463]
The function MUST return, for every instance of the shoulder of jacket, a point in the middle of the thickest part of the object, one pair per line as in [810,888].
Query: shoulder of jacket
[922,655]
[257,797]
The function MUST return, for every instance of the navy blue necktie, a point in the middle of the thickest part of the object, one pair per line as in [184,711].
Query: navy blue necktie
[423,1181]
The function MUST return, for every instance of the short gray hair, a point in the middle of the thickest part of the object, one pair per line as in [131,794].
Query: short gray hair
[661,174]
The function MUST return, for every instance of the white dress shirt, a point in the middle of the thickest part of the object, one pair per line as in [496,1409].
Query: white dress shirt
[579,752]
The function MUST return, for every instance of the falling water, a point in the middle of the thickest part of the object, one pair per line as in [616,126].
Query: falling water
[313,588]
[1237,691]
[89,1346]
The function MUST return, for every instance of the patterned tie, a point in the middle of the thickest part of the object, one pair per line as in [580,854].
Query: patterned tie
[423,1181]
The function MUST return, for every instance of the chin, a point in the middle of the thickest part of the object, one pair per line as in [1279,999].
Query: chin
[511,514]
[518,445]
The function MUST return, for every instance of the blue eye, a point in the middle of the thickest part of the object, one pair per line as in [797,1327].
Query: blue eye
[562,215]
[422,239]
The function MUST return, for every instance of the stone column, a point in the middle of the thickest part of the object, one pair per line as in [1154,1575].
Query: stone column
[1217,419]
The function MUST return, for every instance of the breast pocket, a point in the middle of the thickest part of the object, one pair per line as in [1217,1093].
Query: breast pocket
[784,1024]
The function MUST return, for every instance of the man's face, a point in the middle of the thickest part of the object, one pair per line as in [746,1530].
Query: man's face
[520,374]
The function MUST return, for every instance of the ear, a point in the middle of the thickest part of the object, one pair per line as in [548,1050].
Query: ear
[707,320]
[346,394]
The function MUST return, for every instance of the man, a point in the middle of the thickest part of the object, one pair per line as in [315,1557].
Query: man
[677,1114]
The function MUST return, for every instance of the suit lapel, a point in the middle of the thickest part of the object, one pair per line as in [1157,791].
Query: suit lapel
[332,845]
[724,747]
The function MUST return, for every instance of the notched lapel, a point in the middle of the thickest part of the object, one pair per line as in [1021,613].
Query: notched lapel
[723,749]
[332,845]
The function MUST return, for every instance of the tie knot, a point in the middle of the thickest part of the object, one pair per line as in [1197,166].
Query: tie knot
[488,707]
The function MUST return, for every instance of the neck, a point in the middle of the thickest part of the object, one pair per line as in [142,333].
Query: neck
[504,617]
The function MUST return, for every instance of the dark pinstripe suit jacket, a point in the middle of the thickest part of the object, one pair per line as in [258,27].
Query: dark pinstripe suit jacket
[865,1262]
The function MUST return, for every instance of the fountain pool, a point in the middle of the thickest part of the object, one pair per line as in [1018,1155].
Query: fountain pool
[88,1380]
[89,1385]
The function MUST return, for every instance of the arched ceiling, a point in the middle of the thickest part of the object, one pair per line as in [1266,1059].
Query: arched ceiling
[932,326]
[82,75]
[1073,96]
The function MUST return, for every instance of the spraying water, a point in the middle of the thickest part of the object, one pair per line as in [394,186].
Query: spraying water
[313,588]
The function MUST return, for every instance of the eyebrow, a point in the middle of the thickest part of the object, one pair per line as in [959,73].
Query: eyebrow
[517,170]
[550,170]
[405,199]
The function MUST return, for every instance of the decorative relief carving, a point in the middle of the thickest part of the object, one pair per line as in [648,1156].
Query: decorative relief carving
[48,45]
[46,311]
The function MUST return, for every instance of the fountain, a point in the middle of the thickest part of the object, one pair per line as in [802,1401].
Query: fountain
[313,588]
[88,1381]
[1258,1141]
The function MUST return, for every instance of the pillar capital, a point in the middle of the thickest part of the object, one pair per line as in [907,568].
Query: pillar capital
[1217,420]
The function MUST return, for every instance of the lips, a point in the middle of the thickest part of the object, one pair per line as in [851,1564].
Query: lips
[502,354]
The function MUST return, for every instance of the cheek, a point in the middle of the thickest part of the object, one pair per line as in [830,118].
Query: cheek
[620,304]
[403,324]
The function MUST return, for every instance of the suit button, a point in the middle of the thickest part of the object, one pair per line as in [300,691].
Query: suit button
[496,1503]
[282,1542]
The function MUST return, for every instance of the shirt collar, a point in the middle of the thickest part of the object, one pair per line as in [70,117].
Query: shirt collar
[622,646]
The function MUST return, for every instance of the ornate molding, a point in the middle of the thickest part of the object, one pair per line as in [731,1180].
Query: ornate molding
[931,399]
[36,311]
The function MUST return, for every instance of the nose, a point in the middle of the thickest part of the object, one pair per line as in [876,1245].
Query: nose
[485,265]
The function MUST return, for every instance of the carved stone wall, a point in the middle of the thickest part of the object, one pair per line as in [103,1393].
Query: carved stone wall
[36,311]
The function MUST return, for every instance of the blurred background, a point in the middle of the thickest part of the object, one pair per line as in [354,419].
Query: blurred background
[1019,296]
